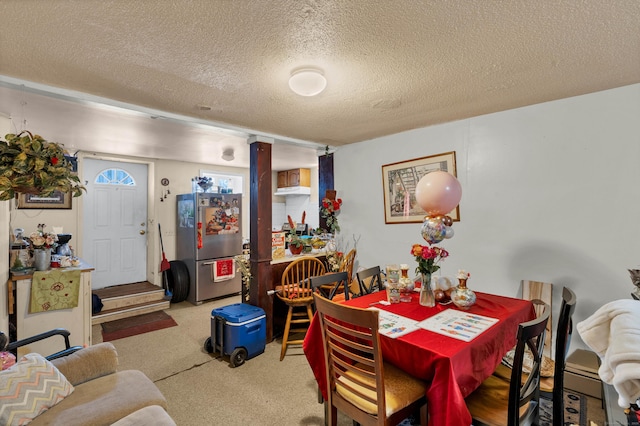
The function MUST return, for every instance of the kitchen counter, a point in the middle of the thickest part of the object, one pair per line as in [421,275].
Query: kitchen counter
[289,257]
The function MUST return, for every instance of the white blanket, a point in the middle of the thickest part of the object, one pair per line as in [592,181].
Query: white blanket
[613,332]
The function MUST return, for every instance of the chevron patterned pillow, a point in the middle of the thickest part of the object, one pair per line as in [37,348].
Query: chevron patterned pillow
[29,388]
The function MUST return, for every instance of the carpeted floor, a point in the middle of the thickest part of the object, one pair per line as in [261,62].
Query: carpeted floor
[133,326]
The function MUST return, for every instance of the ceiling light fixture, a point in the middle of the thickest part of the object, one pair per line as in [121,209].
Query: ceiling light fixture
[227,155]
[307,81]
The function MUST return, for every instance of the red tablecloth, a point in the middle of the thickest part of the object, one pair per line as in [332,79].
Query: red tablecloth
[453,367]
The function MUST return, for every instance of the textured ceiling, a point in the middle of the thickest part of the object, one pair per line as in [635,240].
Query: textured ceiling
[391,65]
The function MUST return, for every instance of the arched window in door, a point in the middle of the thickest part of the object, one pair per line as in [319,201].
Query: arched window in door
[115,177]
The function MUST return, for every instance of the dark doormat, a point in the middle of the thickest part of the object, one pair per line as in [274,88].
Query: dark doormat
[139,324]
[575,410]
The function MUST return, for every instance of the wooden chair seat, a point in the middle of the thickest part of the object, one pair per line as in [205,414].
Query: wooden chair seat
[487,402]
[295,292]
[400,388]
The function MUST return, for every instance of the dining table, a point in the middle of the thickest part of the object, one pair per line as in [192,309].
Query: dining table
[453,368]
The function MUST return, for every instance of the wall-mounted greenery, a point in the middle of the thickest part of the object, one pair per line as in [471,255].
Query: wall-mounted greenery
[29,164]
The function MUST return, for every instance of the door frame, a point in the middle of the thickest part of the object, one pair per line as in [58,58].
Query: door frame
[153,258]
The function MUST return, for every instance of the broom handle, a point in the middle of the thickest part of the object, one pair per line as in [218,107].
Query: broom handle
[160,232]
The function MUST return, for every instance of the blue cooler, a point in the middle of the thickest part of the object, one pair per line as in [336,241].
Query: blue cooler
[238,330]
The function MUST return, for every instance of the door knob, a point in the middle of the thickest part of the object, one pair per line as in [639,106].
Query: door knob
[142,232]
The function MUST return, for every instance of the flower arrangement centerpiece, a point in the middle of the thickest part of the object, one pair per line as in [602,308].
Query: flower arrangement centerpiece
[428,258]
[29,164]
[329,210]
[43,240]
[41,244]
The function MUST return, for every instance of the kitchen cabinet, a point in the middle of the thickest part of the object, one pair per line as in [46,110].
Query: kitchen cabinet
[294,177]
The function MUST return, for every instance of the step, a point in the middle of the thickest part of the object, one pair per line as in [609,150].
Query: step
[127,300]
[129,311]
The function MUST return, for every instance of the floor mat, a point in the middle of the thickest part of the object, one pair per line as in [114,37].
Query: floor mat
[139,324]
[575,410]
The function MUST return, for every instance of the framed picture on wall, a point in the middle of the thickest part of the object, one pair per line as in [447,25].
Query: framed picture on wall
[57,200]
[399,182]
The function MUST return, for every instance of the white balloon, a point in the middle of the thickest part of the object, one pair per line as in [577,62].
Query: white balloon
[448,232]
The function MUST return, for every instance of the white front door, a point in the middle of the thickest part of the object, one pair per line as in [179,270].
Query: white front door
[115,221]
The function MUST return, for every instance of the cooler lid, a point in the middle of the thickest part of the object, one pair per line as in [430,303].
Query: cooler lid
[238,312]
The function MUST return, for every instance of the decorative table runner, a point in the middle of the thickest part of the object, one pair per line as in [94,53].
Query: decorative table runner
[54,289]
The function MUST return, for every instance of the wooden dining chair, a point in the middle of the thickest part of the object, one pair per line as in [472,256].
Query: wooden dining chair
[346,265]
[553,387]
[360,384]
[369,281]
[331,285]
[498,402]
[295,291]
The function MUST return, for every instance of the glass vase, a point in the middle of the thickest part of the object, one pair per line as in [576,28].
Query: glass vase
[462,296]
[427,298]
[41,259]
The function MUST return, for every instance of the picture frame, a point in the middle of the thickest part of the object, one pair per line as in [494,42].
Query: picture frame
[399,181]
[57,200]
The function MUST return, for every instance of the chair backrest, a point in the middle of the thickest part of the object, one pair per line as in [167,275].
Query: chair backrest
[328,285]
[563,341]
[369,280]
[346,265]
[294,281]
[531,336]
[538,290]
[353,358]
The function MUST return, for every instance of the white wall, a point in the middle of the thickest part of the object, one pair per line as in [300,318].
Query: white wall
[4,243]
[550,192]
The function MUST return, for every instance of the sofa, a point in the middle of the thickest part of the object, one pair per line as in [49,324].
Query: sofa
[98,394]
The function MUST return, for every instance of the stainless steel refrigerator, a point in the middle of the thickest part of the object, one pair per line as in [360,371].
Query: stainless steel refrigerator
[209,235]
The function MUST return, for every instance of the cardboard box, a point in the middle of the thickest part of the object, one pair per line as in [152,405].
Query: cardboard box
[277,245]
[581,373]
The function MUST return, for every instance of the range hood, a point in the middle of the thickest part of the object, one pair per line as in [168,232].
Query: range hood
[293,190]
